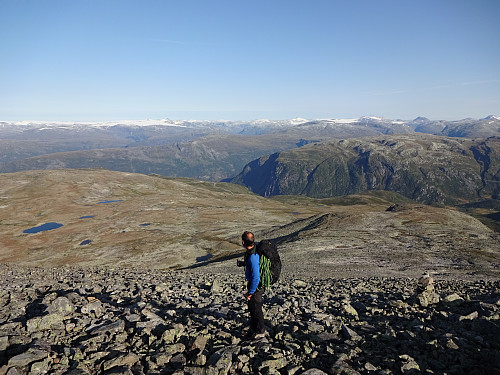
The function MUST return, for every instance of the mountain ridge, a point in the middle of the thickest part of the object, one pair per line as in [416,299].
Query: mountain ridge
[24,148]
[425,168]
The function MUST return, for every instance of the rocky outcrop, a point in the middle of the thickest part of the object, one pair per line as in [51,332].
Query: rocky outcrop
[100,320]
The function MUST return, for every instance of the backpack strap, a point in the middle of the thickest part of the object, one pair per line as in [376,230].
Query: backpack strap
[249,252]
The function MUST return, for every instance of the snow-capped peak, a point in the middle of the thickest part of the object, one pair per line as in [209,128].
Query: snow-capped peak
[373,118]
[492,117]
[97,124]
[298,121]
[344,121]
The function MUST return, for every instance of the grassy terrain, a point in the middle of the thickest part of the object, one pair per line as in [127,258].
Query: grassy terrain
[158,222]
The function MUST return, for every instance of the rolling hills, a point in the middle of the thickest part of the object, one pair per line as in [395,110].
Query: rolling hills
[125,219]
[120,219]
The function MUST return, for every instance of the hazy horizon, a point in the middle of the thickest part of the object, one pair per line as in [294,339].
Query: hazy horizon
[233,120]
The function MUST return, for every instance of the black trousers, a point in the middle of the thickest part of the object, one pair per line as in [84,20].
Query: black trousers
[256,314]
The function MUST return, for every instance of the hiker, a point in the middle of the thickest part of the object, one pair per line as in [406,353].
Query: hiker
[254,294]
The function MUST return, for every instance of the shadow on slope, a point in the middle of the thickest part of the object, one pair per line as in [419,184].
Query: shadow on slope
[487,211]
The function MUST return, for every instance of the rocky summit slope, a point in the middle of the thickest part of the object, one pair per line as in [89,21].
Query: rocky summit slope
[117,321]
[425,168]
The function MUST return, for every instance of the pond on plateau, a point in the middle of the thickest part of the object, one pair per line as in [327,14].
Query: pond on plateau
[43,227]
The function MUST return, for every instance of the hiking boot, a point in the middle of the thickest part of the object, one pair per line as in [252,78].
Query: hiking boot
[251,335]
[260,336]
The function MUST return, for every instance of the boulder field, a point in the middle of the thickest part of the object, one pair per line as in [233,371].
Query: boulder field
[100,320]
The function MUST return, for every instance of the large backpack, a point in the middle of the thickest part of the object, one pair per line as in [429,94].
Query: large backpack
[270,263]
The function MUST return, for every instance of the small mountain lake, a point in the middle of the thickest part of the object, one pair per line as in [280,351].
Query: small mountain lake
[43,227]
[87,217]
[104,202]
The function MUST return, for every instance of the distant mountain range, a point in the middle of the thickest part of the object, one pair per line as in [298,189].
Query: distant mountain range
[218,150]
[24,140]
[210,158]
[155,132]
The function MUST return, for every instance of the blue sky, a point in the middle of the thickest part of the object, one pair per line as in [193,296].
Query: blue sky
[239,60]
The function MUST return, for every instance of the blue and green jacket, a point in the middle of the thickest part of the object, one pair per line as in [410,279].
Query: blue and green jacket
[252,270]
